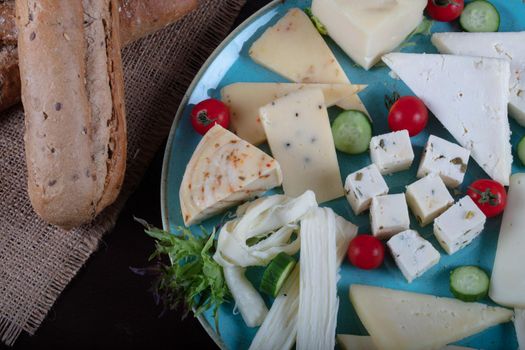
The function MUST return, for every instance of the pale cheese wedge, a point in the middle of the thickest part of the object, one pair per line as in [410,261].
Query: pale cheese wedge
[507,284]
[294,49]
[300,137]
[245,99]
[364,342]
[398,320]
[469,96]
[223,171]
[509,46]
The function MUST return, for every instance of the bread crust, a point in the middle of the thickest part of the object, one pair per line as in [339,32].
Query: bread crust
[75,144]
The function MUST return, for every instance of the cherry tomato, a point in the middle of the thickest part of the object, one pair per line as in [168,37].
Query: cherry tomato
[366,252]
[445,10]
[209,112]
[409,113]
[490,196]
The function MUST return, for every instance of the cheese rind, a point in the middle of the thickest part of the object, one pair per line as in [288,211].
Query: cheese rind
[245,99]
[445,159]
[398,320]
[508,46]
[459,225]
[392,152]
[224,171]
[469,96]
[413,254]
[428,198]
[294,49]
[363,185]
[366,30]
[507,284]
[389,215]
[300,137]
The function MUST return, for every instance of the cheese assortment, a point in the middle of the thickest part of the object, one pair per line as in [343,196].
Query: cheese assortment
[366,30]
[413,254]
[446,159]
[467,88]
[428,198]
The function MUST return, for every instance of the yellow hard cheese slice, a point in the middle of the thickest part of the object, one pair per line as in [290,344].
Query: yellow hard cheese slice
[407,321]
[294,49]
[245,99]
[299,134]
[223,171]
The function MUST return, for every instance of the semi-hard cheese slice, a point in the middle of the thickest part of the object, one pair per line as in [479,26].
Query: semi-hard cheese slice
[409,321]
[469,96]
[245,99]
[223,171]
[507,285]
[364,342]
[294,49]
[509,46]
[366,30]
[300,137]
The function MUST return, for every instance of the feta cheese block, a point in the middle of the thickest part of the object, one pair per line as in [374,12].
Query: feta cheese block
[294,49]
[428,198]
[364,342]
[399,320]
[300,137]
[446,159]
[413,254]
[366,30]
[363,185]
[507,284]
[392,152]
[469,96]
[459,225]
[508,46]
[224,171]
[389,215]
[519,325]
[245,99]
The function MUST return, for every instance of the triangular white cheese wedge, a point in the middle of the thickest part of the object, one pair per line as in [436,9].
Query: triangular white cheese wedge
[411,321]
[469,96]
[294,49]
[364,342]
[509,46]
[223,171]
[245,99]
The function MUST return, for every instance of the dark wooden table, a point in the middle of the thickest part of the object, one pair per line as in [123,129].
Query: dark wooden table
[106,305]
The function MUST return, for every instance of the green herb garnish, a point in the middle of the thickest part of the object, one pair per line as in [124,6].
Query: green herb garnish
[317,23]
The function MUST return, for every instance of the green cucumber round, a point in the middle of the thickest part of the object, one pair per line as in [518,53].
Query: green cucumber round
[521,150]
[469,283]
[352,132]
[480,16]
[276,274]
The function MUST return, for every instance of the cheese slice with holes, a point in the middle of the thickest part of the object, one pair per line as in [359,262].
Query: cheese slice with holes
[398,320]
[224,171]
[300,137]
[469,96]
[294,49]
[245,99]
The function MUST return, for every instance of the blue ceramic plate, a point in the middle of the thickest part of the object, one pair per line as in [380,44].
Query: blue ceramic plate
[230,63]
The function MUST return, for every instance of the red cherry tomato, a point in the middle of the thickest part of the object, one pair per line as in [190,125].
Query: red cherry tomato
[409,113]
[366,252]
[445,10]
[209,112]
[490,196]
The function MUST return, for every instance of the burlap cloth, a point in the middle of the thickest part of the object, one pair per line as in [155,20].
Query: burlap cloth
[37,260]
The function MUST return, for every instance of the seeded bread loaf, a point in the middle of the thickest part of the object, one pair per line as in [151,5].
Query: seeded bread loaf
[72,92]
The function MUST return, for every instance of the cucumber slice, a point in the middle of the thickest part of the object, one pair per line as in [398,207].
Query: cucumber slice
[521,150]
[469,283]
[276,274]
[352,132]
[480,16]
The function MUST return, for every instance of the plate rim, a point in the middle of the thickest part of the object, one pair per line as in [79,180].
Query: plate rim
[171,136]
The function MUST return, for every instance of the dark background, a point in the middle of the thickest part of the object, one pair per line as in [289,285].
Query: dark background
[106,305]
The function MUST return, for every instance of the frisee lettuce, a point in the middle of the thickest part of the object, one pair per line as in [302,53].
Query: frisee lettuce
[192,279]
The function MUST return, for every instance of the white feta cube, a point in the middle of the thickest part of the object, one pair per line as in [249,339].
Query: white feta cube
[428,198]
[389,215]
[413,254]
[446,159]
[362,186]
[459,225]
[392,152]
